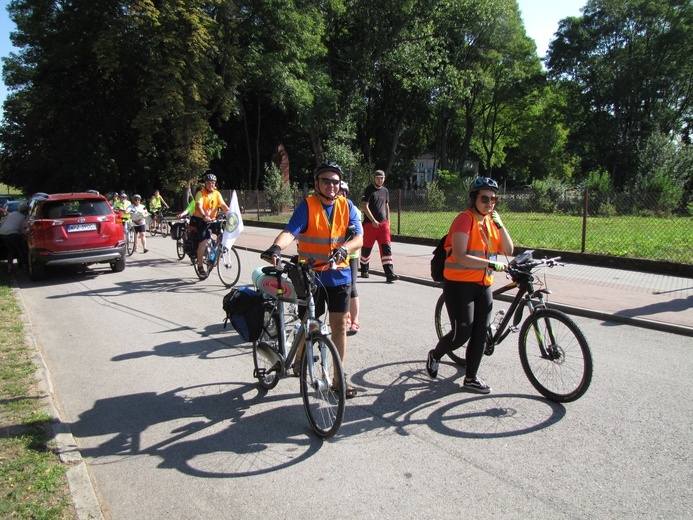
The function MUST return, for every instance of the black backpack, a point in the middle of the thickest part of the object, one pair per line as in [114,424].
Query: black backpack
[245,311]
[438,261]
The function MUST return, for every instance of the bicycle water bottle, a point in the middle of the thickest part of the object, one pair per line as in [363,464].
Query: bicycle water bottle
[213,255]
[496,321]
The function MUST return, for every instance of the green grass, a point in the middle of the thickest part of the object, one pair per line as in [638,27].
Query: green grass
[653,238]
[32,478]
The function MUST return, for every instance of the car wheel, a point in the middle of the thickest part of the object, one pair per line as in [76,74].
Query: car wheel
[37,271]
[118,265]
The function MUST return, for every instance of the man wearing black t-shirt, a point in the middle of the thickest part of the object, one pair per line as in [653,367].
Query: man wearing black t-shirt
[376,226]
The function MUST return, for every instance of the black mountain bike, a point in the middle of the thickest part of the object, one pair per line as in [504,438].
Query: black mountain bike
[553,350]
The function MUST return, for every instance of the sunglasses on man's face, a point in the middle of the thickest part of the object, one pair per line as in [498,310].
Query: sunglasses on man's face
[333,182]
[485,200]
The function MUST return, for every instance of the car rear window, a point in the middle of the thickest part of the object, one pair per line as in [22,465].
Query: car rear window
[75,208]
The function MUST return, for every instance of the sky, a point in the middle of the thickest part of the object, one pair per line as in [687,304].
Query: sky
[541,19]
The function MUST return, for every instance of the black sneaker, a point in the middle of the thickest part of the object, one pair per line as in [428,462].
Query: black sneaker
[432,365]
[477,385]
[391,278]
[364,274]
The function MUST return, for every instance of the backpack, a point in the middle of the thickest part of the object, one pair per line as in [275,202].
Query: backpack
[245,311]
[438,261]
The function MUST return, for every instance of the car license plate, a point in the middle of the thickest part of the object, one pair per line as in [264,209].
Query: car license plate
[72,228]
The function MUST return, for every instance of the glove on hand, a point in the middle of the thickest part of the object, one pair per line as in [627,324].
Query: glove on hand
[340,254]
[497,266]
[497,220]
[273,251]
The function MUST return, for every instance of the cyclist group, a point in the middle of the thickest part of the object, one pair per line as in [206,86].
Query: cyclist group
[321,222]
[476,237]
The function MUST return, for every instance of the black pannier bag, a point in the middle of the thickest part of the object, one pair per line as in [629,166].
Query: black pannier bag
[245,311]
[177,230]
[191,243]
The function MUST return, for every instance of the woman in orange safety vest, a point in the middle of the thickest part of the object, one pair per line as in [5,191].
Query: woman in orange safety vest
[476,237]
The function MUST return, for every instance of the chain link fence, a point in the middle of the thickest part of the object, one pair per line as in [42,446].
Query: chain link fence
[637,225]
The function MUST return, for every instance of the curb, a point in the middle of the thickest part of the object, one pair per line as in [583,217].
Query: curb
[82,490]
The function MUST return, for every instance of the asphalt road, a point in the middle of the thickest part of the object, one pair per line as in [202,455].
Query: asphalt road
[163,407]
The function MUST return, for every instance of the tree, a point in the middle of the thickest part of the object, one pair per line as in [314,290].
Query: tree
[628,72]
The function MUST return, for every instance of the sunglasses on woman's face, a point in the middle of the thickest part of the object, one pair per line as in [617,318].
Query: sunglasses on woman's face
[485,200]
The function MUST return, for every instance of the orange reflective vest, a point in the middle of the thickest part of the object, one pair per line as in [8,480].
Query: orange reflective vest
[321,236]
[484,240]
[211,201]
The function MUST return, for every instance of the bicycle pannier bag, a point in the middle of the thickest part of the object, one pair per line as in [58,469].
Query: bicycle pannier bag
[177,230]
[244,310]
[438,261]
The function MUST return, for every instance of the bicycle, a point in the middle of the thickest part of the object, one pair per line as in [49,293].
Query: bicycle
[226,261]
[158,224]
[179,232]
[554,352]
[319,367]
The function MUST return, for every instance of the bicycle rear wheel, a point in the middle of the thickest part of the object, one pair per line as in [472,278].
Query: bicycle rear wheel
[131,241]
[555,356]
[266,351]
[229,267]
[203,275]
[323,386]
[443,326]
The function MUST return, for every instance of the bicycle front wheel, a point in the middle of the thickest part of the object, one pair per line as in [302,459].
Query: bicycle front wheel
[163,227]
[229,267]
[131,241]
[153,226]
[323,386]
[555,355]
[443,326]
[180,250]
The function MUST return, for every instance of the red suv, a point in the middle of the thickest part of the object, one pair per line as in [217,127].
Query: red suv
[73,228]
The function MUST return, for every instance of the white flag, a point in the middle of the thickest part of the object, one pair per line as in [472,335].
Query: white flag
[234,223]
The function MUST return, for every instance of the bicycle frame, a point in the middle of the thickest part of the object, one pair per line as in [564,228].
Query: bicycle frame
[309,323]
[525,296]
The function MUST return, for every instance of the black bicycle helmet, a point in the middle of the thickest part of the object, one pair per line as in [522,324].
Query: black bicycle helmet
[210,177]
[123,194]
[343,186]
[328,167]
[483,183]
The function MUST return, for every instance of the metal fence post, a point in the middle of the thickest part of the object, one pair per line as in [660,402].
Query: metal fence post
[584,218]
[257,204]
[399,211]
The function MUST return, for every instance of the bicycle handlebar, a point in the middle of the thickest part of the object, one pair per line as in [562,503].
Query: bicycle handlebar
[528,266]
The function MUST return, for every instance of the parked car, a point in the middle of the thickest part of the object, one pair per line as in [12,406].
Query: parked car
[73,228]
[12,205]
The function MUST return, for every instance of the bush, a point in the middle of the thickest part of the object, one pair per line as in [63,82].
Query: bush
[435,198]
[546,195]
[278,195]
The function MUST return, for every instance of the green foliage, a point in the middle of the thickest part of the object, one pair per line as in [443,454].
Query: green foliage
[279,196]
[598,181]
[660,173]
[435,197]
[546,195]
